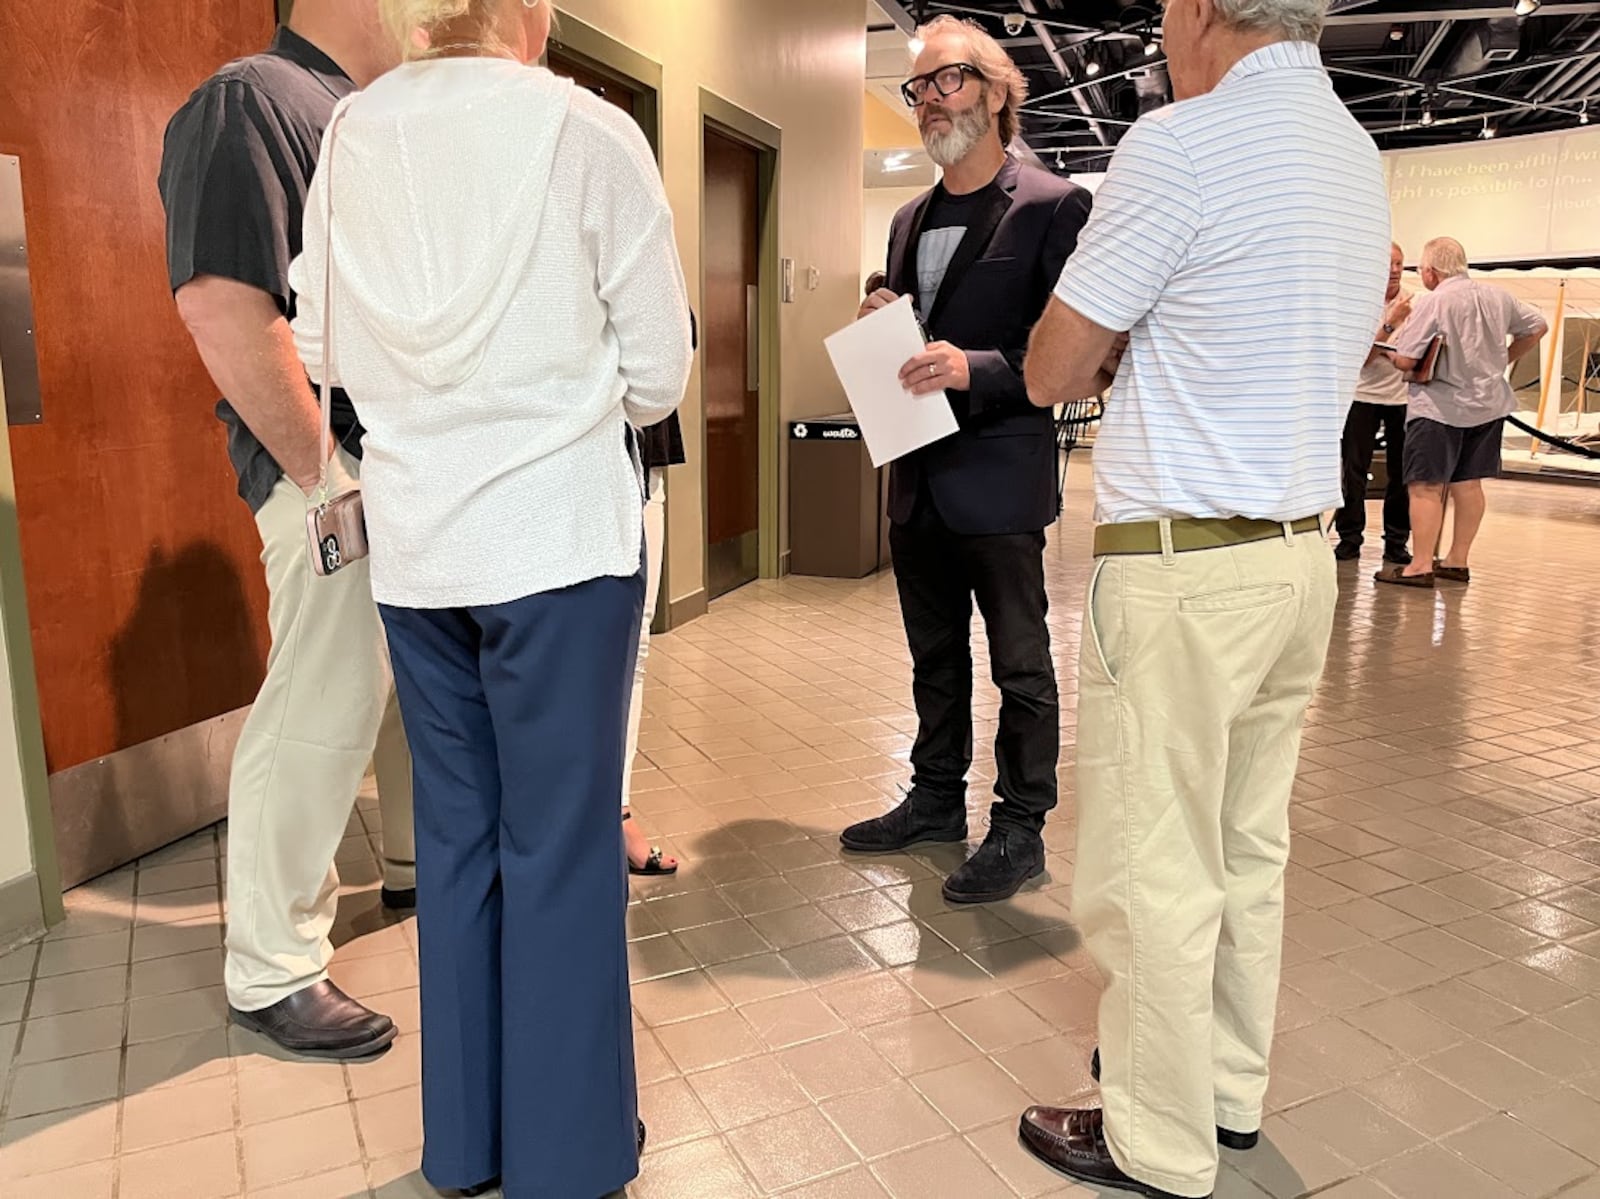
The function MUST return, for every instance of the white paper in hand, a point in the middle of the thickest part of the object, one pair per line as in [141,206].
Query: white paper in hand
[867,356]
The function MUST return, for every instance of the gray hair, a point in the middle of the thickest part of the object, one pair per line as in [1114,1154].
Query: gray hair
[1298,20]
[1445,256]
[993,63]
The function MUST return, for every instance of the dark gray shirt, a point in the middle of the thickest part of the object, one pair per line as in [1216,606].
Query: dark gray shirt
[235,169]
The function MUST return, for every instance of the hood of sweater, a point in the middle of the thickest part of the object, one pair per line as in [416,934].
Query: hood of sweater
[431,269]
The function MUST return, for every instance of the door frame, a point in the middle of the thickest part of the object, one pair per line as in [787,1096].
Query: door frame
[727,119]
[603,55]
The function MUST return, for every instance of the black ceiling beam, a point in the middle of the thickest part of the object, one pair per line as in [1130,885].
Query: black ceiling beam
[1455,10]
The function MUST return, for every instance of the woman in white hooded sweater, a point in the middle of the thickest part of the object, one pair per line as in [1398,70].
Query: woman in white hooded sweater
[506,299]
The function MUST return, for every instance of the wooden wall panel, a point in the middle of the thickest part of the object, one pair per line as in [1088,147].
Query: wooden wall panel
[142,566]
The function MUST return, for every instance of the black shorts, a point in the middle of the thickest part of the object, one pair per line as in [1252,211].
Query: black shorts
[1440,453]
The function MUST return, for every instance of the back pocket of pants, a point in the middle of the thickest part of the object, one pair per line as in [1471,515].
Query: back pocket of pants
[1238,599]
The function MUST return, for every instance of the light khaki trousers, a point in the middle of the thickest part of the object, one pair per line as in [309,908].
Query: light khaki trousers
[325,710]
[1193,681]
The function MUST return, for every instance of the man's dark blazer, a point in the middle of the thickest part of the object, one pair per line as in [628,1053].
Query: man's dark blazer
[998,473]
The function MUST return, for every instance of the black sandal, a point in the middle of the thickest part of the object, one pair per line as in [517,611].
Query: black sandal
[652,864]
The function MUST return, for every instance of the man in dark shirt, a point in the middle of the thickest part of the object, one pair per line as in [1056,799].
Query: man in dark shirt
[978,255]
[235,170]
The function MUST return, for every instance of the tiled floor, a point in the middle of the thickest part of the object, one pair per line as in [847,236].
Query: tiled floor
[816,1026]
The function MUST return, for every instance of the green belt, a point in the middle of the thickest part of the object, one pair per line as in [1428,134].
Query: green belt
[1189,535]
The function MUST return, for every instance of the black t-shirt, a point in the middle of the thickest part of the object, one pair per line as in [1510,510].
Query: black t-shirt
[943,226]
[235,169]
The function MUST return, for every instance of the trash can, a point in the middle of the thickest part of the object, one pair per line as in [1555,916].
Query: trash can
[838,514]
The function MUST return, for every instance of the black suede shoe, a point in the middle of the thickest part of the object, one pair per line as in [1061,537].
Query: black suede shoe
[642,1134]
[321,1021]
[399,899]
[1007,858]
[919,817]
[1347,551]
[1226,1137]
[1398,554]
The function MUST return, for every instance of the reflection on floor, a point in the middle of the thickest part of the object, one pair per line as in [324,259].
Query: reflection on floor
[817,1026]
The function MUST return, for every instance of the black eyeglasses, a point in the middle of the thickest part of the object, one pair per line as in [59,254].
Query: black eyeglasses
[947,81]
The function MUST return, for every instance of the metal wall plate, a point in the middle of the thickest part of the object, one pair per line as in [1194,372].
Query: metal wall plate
[19,360]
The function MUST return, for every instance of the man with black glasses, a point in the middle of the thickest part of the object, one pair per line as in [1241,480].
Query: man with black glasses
[978,255]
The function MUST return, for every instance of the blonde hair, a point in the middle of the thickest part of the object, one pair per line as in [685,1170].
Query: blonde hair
[993,63]
[1445,256]
[418,26]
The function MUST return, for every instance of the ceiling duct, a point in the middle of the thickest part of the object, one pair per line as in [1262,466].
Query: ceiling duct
[1483,45]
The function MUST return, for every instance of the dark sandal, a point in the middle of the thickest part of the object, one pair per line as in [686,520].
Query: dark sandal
[1396,576]
[653,864]
[1452,574]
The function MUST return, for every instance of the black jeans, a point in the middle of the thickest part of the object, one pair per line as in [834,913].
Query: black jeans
[939,573]
[1357,446]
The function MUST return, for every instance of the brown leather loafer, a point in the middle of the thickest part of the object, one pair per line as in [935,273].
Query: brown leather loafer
[1073,1141]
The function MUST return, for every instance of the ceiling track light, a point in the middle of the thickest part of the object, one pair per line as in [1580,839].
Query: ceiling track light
[1061,161]
[1397,33]
[1526,8]
[1152,46]
[1488,130]
[1091,65]
[1583,113]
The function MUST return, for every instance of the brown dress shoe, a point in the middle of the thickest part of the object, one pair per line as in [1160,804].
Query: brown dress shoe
[1073,1141]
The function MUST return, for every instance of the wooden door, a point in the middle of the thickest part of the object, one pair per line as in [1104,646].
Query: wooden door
[144,581]
[608,90]
[731,259]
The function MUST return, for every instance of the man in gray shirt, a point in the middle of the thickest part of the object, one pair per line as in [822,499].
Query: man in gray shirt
[1455,422]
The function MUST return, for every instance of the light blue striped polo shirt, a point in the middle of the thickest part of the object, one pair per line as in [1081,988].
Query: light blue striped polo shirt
[1241,238]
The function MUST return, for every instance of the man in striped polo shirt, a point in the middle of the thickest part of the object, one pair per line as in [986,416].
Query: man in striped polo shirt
[1211,604]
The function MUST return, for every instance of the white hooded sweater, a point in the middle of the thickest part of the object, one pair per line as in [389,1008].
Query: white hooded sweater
[506,295]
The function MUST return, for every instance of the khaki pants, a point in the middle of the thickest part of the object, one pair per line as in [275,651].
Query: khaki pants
[301,757]
[1194,678]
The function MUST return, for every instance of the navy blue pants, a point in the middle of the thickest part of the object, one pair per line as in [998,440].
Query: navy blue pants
[516,716]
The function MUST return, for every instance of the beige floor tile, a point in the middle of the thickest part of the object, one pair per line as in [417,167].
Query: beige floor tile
[746,1092]
[44,1144]
[1289,1161]
[390,1123]
[1489,1075]
[1355,1128]
[53,1037]
[176,876]
[707,1041]
[348,1182]
[1424,1100]
[792,1149]
[1569,1118]
[13,1000]
[207,1168]
[707,1168]
[161,1016]
[290,1088]
[94,1181]
[681,997]
[862,1002]
[1521,1158]
[998,1022]
[886,1119]
[837,1065]
[1403,1025]
[177,1060]
[1434,1172]
[157,941]
[401,1066]
[313,1143]
[972,1093]
[791,1019]
[79,992]
[83,953]
[948,1169]
[856,1183]
[68,1083]
[920,1043]
[1551,1050]
[748,980]
[172,1115]
[673,1113]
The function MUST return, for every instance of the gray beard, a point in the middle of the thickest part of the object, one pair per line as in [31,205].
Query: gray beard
[966,131]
